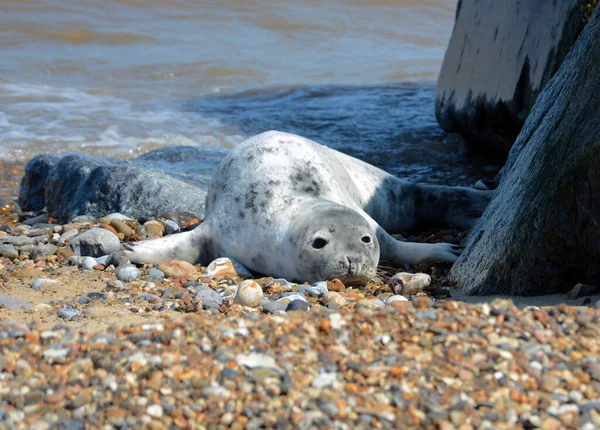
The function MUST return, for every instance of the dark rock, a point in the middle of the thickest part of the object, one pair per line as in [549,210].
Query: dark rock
[75,184]
[540,233]
[500,57]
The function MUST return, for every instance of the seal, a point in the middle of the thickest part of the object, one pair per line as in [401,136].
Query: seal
[288,207]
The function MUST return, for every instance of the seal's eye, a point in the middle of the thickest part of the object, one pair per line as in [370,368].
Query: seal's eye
[366,239]
[319,243]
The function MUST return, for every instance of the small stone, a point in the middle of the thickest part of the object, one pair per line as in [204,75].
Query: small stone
[154,229]
[96,242]
[67,237]
[43,250]
[122,228]
[256,360]
[421,302]
[9,302]
[128,273]
[8,251]
[249,293]
[209,297]
[395,298]
[67,313]
[273,306]
[334,300]
[171,227]
[90,297]
[297,305]
[288,297]
[39,282]
[87,263]
[227,267]
[118,216]
[156,274]
[409,284]
[317,289]
[140,232]
[178,269]
[549,382]
[155,411]
[336,285]
[370,304]
[324,380]
[283,283]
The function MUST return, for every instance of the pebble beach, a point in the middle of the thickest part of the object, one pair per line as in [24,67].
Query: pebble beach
[92,341]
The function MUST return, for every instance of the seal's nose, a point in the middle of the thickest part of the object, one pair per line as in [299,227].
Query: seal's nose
[354,265]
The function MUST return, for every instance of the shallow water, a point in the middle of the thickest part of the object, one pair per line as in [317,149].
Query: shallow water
[121,77]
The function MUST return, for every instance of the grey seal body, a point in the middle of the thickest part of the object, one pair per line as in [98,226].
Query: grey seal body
[288,207]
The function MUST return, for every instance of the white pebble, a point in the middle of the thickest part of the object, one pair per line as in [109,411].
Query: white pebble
[155,411]
[249,293]
[395,298]
[87,263]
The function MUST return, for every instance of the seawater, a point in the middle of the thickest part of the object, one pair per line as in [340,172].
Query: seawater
[122,77]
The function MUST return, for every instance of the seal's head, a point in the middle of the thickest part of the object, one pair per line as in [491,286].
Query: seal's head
[335,242]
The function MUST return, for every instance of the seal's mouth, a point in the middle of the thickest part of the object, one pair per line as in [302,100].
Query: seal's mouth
[354,280]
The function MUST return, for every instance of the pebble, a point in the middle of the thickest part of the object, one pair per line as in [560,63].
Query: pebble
[334,300]
[128,273]
[178,269]
[409,284]
[395,298]
[370,304]
[318,289]
[93,296]
[44,250]
[298,305]
[249,293]
[227,267]
[171,227]
[283,283]
[273,306]
[67,313]
[288,297]
[12,302]
[96,242]
[87,263]
[39,282]
[8,251]
[209,297]
[154,229]
[324,380]
[156,274]
[122,227]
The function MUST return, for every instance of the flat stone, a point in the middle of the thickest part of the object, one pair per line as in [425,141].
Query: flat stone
[95,243]
[178,269]
[39,282]
[12,302]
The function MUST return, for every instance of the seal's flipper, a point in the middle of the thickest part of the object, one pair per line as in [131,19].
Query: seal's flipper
[194,246]
[460,206]
[397,253]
